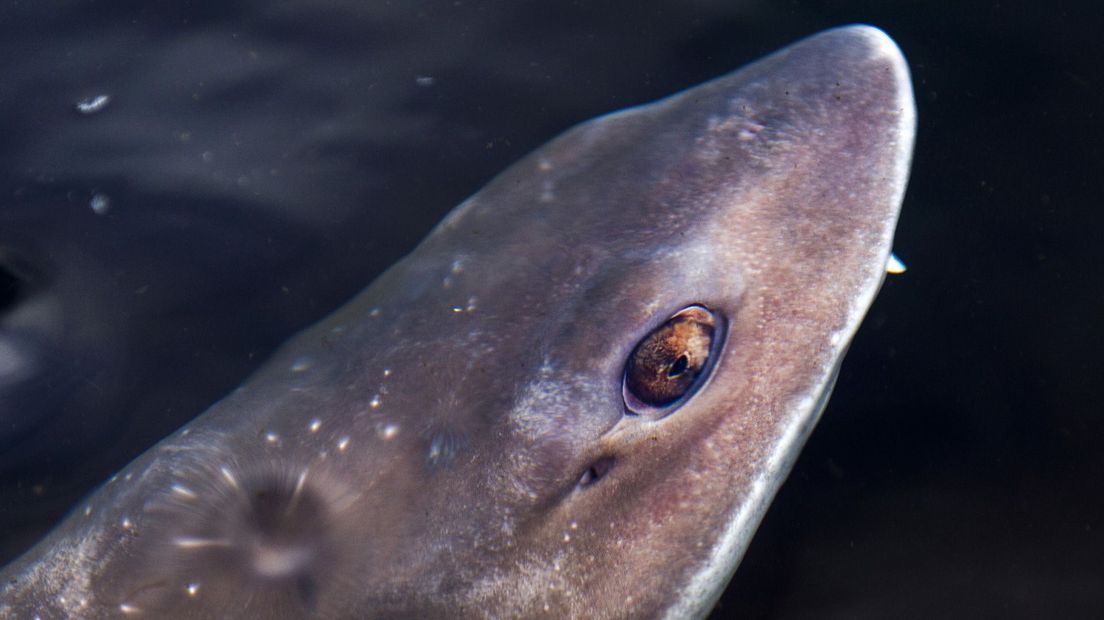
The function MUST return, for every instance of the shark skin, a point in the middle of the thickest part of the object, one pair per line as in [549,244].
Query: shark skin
[463,439]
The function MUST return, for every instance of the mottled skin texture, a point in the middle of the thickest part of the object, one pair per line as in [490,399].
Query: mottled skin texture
[418,453]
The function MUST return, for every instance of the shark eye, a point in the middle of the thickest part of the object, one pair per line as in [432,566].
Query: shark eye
[670,362]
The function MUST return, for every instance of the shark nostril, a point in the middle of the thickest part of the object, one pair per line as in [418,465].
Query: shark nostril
[596,471]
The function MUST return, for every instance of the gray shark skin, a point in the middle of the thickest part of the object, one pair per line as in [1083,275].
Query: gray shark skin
[456,440]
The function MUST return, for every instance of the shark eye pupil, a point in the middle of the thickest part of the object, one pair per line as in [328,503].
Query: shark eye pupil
[669,363]
[679,367]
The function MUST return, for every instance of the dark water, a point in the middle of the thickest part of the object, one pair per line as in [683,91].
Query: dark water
[258,163]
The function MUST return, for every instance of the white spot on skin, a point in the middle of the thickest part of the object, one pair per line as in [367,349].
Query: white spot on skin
[200,543]
[129,609]
[315,424]
[740,122]
[749,131]
[87,510]
[301,364]
[544,165]
[183,491]
[299,484]
[468,307]
[126,523]
[192,589]
[374,312]
[386,372]
[272,438]
[342,443]
[229,477]
[390,431]
[375,402]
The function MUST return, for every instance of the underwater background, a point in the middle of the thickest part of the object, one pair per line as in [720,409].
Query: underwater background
[185,185]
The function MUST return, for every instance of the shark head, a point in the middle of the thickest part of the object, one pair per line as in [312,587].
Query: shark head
[575,398]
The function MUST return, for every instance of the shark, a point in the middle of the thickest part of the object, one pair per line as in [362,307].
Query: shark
[575,398]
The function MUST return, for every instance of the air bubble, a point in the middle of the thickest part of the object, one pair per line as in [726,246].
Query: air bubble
[94,104]
[100,203]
